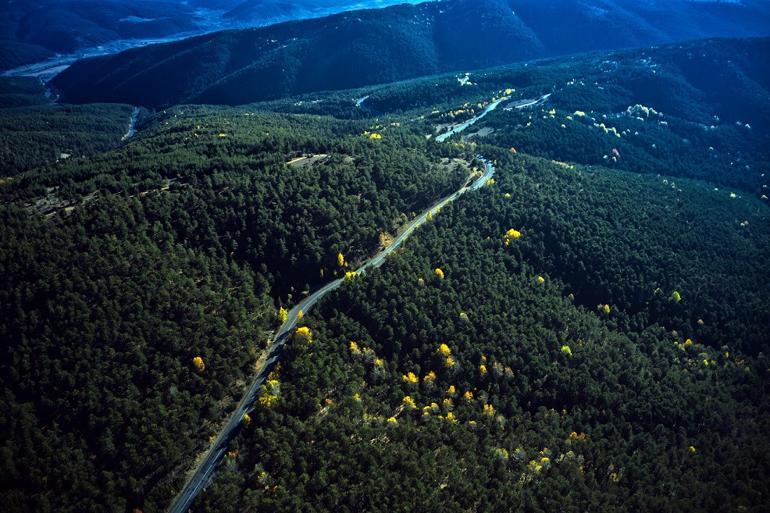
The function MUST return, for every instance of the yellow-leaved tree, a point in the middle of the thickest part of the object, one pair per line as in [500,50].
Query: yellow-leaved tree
[511,235]
[303,333]
[199,364]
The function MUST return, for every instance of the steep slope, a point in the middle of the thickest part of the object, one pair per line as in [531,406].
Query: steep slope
[497,384]
[62,26]
[375,46]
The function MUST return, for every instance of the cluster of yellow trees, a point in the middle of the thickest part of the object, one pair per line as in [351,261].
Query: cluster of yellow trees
[270,393]
[541,462]
[366,353]
[447,403]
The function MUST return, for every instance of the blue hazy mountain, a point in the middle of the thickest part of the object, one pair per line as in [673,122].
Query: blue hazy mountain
[374,46]
[33,30]
[257,11]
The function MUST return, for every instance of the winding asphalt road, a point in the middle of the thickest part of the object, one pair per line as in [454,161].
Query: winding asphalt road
[131,125]
[203,474]
[462,126]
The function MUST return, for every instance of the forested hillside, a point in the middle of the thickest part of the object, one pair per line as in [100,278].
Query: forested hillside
[102,314]
[21,92]
[581,334]
[584,360]
[34,131]
[366,47]
[675,110]
[34,136]
[120,269]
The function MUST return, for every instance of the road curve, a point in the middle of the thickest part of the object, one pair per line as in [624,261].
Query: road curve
[462,126]
[203,474]
[131,125]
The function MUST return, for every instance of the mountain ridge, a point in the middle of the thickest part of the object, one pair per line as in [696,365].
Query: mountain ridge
[366,47]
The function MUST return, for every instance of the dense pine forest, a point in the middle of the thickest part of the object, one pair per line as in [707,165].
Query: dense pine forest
[179,245]
[34,132]
[533,374]
[586,332]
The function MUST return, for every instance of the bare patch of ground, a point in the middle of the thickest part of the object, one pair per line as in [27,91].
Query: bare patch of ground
[307,160]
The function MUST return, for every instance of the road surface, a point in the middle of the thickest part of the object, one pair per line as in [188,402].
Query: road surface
[523,104]
[131,125]
[203,474]
[462,126]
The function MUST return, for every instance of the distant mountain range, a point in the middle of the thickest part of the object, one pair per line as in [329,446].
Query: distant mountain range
[35,30]
[375,46]
[258,11]
[32,30]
